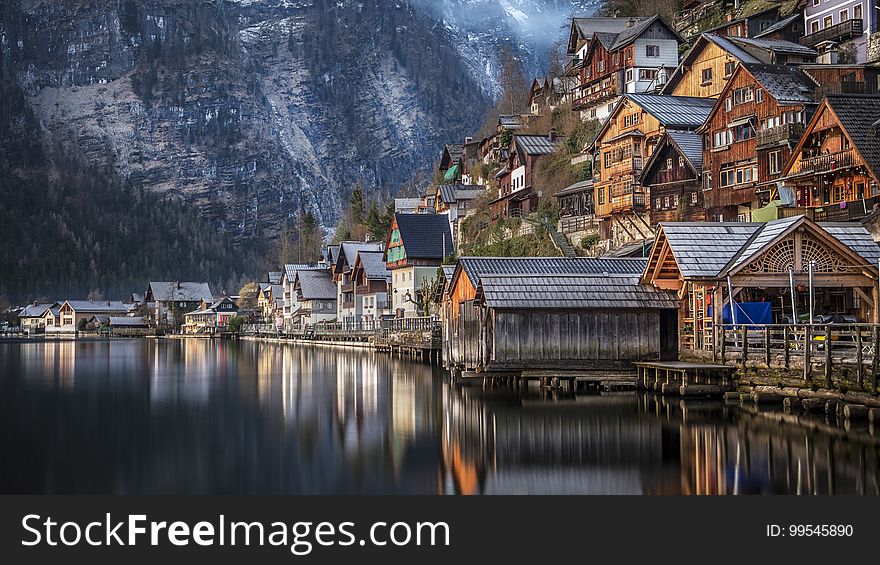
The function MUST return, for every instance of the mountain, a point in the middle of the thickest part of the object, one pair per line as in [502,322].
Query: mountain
[248,112]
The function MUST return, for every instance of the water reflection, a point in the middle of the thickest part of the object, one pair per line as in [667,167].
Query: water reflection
[200,416]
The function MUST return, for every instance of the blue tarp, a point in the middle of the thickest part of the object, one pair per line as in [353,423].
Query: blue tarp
[749,313]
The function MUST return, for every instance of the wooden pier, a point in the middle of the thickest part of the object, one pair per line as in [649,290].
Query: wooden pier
[685,379]
[563,381]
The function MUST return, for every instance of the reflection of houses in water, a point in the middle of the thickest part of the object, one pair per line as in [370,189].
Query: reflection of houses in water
[592,444]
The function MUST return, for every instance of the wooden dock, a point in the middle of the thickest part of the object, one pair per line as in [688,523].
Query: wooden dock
[685,379]
[567,381]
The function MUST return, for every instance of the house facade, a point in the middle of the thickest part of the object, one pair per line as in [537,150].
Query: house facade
[169,301]
[372,281]
[844,24]
[316,294]
[73,313]
[210,318]
[517,196]
[349,307]
[32,318]
[415,247]
[758,118]
[290,302]
[672,177]
[834,171]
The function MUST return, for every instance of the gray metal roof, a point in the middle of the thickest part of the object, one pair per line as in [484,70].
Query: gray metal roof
[316,285]
[768,232]
[703,249]
[535,144]
[857,115]
[99,306]
[781,24]
[455,151]
[510,121]
[425,236]
[774,45]
[291,269]
[475,267]
[348,250]
[128,321]
[572,292]
[180,291]
[785,83]
[588,26]
[691,146]
[630,34]
[406,204]
[274,277]
[582,186]
[856,237]
[373,263]
[451,193]
[675,112]
[35,310]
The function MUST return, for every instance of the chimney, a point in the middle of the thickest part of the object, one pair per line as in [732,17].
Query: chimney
[177,285]
[729,17]
[551,135]
[468,139]
[630,22]
[828,54]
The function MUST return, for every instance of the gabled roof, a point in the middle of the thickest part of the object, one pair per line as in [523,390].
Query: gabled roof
[36,310]
[510,121]
[584,28]
[673,112]
[774,46]
[127,321]
[780,25]
[787,84]
[686,143]
[348,251]
[768,232]
[180,291]
[274,277]
[98,306]
[425,236]
[332,254]
[699,46]
[476,267]
[703,249]
[581,186]
[630,34]
[290,269]
[574,292]
[535,144]
[452,193]
[454,152]
[856,237]
[373,265]
[857,115]
[316,285]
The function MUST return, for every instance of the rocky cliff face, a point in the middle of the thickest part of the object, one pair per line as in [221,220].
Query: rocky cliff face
[254,110]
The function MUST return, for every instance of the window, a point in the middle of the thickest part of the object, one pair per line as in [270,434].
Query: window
[827,22]
[680,161]
[743,132]
[844,15]
[707,183]
[722,138]
[816,2]
[693,198]
[775,162]
[647,74]
[601,65]
[608,160]
[601,196]
[675,201]
[593,113]
[657,204]
[857,12]
[729,67]
[707,75]
[743,95]
[665,202]
[814,26]
[652,50]
[629,75]
[759,95]
[669,164]
[630,120]
[727,178]
[728,104]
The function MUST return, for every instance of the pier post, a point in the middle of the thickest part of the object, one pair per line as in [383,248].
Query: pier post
[874,363]
[745,347]
[808,342]
[828,357]
[860,370]
[787,345]
[767,345]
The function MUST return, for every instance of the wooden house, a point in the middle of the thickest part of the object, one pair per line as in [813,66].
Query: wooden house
[460,319]
[749,25]
[577,209]
[451,162]
[756,121]
[706,68]
[457,201]
[73,313]
[517,196]
[834,171]
[702,261]
[169,301]
[672,178]
[572,322]
[625,141]
[628,60]
[790,28]
[844,79]
[372,281]
[415,247]
[128,326]
[211,317]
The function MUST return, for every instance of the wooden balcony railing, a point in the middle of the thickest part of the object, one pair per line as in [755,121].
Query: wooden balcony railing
[779,135]
[842,31]
[600,95]
[847,212]
[575,224]
[827,162]
[572,66]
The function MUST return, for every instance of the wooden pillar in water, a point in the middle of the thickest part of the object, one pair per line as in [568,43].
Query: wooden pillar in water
[828,357]
[808,342]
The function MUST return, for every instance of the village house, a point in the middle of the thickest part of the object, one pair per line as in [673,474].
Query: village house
[169,301]
[637,58]
[415,247]
[270,303]
[450,162]
[843,79]
[673,176]
[627,138]
[517,196]
[705,69]
[32,318]
[372,281]
[348,305]
[834,171]
[316,294]
[456,201]
[841,24]
[76,313]
[288,282]
[758,118]
[52,317]
[761,263]
[210,318]
[790,28]
[749,25]
[545,95]
[461,323]
[127,326]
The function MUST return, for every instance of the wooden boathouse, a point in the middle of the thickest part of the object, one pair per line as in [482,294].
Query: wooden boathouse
[583,322]
[461,323]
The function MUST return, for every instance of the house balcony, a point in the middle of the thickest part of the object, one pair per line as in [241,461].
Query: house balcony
[593,98]
[780,135]
[348,305]
[629,198]
[573,66]
[828,162]
[837,33]
[575,224]
[347,288]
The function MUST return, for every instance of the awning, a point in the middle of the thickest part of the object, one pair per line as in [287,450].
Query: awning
[452,173]
[767,213]
[740,121]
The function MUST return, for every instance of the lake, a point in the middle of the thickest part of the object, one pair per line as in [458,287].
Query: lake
[173,416]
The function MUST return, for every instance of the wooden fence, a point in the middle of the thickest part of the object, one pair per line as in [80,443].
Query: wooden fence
[422,332]
[843,354]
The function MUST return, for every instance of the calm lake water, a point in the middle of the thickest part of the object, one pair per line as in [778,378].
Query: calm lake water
[214,417]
